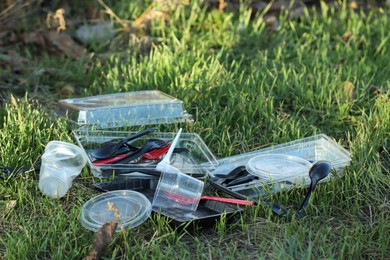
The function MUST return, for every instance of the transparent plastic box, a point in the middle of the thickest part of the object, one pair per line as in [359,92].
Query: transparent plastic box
[102,118]
[312,149]
[199,158]
[126,109]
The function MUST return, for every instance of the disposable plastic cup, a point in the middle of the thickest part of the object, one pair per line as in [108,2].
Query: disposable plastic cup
[173,187]
[61,163]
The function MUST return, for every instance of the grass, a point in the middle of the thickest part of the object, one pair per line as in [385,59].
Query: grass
[247,88]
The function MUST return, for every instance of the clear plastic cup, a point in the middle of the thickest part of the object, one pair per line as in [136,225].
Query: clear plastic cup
[177,190]
[61,163]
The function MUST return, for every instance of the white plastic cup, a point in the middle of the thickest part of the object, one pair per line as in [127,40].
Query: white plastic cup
[61,163]
[175,184]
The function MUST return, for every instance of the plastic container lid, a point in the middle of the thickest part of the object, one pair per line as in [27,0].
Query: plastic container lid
[279,167]
[127,109]
[133,208]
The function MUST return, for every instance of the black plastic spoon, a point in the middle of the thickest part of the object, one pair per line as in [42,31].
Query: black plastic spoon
[110,149]
[320,170]
[231,176]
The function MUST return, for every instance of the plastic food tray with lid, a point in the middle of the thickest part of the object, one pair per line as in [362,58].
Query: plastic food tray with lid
[102,119]
[311,149]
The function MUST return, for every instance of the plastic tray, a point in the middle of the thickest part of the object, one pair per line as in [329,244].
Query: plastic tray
[206,214]
[312,149]
[199,158]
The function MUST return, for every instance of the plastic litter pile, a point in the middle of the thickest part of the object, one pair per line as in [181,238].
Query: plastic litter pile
[173,174]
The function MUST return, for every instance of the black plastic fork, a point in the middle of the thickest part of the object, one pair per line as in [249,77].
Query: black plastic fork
[151,144]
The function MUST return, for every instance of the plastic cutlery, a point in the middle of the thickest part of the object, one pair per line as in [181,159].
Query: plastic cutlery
[187,200]
[165,164]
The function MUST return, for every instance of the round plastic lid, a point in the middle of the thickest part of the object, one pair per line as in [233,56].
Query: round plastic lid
[133,209]
[278,167]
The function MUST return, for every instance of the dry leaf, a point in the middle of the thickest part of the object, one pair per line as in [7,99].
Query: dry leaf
[102,240]
[347,36]
[111,207]
[55,42]
[66,44]
[56,19]
[34,38]
[349,90]
[6,206]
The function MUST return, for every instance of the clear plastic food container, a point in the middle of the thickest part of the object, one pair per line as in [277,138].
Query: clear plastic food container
[197,159]
[126,109]
[98,116]
[311,149]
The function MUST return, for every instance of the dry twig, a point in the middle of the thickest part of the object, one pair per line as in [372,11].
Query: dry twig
[117,18]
